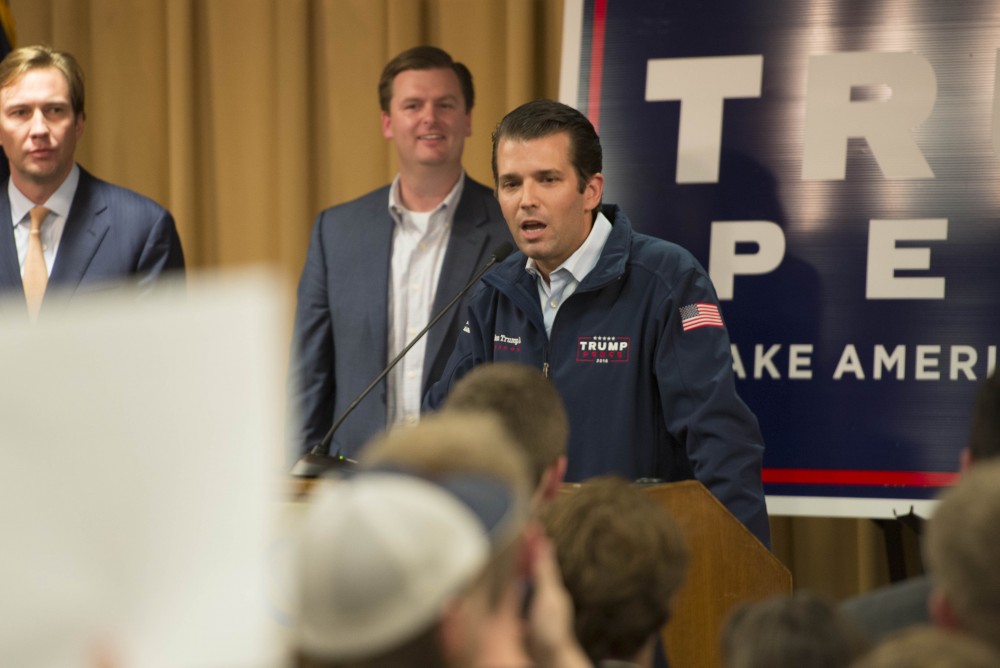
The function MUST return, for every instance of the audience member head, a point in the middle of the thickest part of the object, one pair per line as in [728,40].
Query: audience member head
[984,435]
[529,407]
[790,632]
[929,647]
[450,443]
[424,58]
[393,568]
[444,445]
[623,558]
[962,546]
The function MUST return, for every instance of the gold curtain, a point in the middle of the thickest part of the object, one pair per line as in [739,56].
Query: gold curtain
[247,117]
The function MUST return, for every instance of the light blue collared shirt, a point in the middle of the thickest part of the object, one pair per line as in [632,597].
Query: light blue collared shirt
[53,225]
[565,278]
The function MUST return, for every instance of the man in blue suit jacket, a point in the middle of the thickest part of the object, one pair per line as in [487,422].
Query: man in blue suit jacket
[378,267]
[92,234]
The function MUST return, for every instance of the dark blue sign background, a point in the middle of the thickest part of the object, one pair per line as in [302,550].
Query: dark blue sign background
[856,436]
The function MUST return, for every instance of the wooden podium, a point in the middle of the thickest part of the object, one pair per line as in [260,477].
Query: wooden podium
[727,566]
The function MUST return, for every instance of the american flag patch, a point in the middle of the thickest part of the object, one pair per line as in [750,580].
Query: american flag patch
[700,314]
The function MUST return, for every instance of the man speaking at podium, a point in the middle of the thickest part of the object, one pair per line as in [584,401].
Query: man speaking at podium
[627,326]
[379,266]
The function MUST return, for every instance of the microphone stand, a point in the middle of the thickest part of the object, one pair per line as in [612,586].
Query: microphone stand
[319,460]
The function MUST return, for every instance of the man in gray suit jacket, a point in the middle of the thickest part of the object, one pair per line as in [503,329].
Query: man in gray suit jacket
[378,267]
[65,232]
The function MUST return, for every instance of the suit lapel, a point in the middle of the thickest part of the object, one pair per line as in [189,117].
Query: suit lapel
[466,253]
[377,291]
[82,236]
[10,267]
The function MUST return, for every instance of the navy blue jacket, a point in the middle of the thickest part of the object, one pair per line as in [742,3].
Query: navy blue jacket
[645,399]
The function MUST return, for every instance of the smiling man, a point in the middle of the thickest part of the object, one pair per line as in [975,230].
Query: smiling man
[69,232]
[378,267]
[626,325]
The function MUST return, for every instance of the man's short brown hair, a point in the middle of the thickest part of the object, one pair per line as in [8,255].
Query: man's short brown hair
[804,629]
[527,404]
[926,645]
[20,61]
[622,558]
[424,58]
[544,118]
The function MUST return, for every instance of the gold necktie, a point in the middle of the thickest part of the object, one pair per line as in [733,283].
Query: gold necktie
[36,275]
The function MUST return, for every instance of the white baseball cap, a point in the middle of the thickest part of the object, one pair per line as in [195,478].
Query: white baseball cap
[381,552]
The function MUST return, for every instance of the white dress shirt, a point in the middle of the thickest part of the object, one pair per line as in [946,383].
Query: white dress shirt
[419,242]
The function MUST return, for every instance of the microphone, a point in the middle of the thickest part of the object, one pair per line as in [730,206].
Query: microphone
[319,460]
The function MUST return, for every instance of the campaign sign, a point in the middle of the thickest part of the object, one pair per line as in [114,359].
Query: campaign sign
[834,166]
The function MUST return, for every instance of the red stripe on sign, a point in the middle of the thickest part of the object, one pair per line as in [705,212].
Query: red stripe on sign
[596,63]
[839,477]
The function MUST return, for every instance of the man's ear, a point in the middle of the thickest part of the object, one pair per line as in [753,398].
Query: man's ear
[593,191]
[450,629]
[942,613]
[965,460]
[386,126]
[553,478]
[527,552]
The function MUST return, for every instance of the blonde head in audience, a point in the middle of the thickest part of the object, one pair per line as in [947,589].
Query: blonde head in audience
[962,546]
[798,631]
[445,444]
[529,407]
[517,630]
[403,561]
[927,646]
